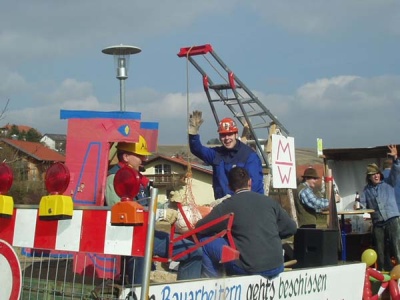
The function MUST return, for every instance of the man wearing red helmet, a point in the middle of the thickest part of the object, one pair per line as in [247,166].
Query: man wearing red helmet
[232,153]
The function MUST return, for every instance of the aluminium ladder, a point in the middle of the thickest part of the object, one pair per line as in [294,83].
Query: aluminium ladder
[234,94]
[254,116]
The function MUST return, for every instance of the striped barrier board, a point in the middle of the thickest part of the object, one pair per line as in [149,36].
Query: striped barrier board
[89,230]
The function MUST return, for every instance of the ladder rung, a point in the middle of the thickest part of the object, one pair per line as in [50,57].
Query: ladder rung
[223,86]
[232,101]
[235,101]
[251,114]
[248,100]
[252,142]
[261,125]
[229,101]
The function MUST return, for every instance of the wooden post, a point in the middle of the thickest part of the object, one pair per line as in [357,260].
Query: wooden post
[333,217]
[274,129]
[268,150]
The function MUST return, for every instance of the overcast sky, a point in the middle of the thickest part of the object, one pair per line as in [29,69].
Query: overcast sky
[325,69]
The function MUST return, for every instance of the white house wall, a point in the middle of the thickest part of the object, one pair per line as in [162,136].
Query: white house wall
[48,142]
[201,182]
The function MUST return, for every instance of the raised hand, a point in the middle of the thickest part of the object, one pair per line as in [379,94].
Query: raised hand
[195,121]
[393,151]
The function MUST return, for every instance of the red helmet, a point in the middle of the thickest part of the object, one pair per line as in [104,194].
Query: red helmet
[227,125]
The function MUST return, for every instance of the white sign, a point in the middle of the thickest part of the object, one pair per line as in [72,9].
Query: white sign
[328,283]
[283,162]
[320,148]
[10,275]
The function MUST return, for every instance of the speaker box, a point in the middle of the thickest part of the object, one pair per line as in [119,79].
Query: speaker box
[316,247]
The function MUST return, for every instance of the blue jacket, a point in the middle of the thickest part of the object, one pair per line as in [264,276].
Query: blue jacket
[381,197]
[223,160]
[386,174]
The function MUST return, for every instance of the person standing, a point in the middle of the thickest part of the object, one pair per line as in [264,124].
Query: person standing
[133,155]
[307,202]
[232,153]
[259,225]
[387,167]
[379,195]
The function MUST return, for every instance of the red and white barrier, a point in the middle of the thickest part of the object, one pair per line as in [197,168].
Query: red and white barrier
[87,231]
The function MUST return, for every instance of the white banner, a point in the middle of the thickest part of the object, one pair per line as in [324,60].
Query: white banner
[283,162]
[328,283]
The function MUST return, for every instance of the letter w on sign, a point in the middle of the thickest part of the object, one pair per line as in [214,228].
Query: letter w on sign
[283,162]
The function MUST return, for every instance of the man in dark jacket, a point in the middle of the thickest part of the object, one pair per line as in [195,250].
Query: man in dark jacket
[259,225]
[232,153]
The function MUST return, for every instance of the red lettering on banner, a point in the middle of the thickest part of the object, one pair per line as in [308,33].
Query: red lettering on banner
[286,169]
[284,177]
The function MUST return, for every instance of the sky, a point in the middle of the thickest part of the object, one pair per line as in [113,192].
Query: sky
[325,69]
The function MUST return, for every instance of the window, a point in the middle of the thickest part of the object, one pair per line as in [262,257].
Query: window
[21,170]
[163,169]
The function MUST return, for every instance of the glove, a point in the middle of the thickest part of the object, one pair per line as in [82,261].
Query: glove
[195,121]
[170,215]
[219,200]
[167,214]
[176,197]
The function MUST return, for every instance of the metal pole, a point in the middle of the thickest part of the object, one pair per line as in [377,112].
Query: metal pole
[148,256]
[122,94]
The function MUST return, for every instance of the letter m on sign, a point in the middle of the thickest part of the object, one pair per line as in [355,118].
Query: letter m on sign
[283,162]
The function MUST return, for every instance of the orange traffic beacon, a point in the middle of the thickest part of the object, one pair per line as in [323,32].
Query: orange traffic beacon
[127,211]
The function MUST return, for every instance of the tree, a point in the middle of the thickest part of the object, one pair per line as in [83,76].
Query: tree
[33,135]
[14,130]
[4,109]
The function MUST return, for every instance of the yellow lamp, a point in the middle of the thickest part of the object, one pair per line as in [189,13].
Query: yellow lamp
[56,206]
[6,202]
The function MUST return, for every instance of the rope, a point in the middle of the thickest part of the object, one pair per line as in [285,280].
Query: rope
[215,69]
[188,104]
[189,197]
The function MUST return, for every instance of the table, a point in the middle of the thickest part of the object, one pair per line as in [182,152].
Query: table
[342,214]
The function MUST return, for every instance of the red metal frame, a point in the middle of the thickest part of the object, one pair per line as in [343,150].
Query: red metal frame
[229,252]
[195,50]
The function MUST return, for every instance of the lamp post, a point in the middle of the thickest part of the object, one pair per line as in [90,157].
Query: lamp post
[121,55]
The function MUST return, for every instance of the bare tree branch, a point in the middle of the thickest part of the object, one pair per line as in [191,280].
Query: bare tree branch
[2,114]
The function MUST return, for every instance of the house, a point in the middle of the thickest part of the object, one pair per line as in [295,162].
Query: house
[28,160]
[169,173]
[54,141]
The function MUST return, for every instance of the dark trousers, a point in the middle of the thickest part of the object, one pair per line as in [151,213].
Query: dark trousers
[189,265]
[386,238]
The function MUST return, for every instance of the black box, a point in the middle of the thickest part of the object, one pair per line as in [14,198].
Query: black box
[316,247]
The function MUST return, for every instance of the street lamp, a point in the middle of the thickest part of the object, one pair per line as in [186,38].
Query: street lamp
[121,55]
